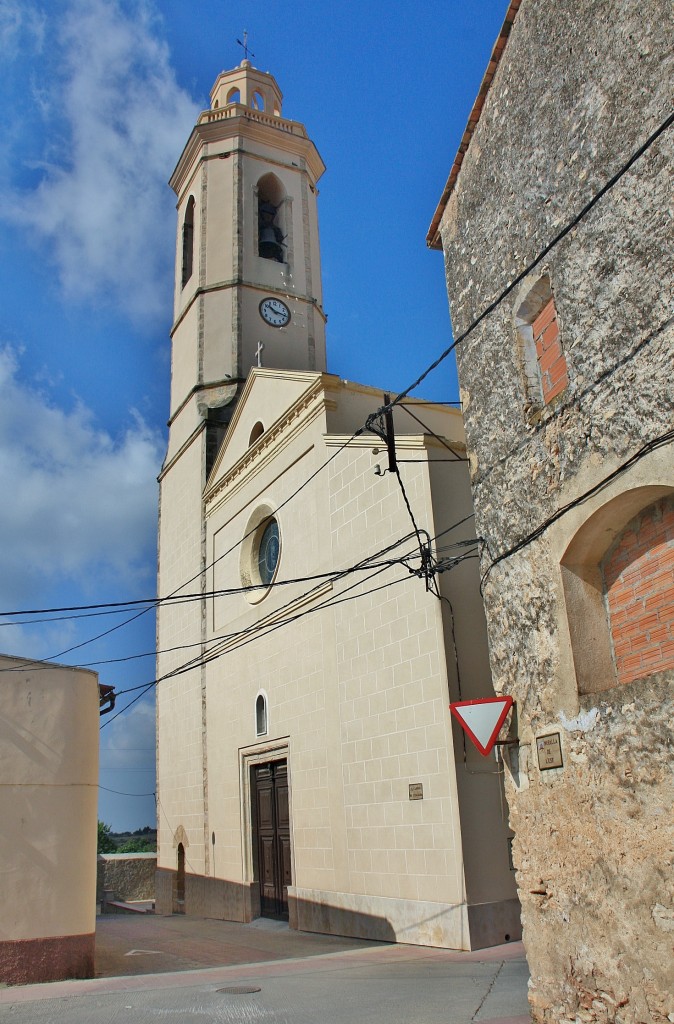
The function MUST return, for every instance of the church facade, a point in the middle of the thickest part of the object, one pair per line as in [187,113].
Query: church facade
[307,763]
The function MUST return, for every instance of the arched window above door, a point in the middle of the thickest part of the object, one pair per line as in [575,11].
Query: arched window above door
[261,715]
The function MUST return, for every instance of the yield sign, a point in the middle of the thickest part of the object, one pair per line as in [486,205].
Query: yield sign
[482,719]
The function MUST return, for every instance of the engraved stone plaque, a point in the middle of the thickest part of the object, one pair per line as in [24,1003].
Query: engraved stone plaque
[416,790]
[549,751]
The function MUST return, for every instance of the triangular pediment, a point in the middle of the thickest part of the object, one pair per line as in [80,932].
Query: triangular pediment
[268,397]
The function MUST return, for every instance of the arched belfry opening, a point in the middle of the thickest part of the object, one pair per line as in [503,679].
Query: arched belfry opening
[188,242]
[272,219]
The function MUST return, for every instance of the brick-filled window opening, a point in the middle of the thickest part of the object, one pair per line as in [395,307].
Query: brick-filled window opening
[544,363]
[551,359]
[638,574]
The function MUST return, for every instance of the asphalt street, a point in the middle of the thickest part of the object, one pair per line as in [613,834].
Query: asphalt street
[270,974]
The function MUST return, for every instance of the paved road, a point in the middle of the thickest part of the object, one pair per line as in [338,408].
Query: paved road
[271,975]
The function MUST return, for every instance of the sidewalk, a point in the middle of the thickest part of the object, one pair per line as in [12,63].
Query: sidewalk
[180,969]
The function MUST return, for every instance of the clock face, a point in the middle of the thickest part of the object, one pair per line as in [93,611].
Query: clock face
[274,312]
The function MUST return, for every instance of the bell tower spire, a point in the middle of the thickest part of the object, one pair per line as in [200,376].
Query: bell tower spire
[247,255]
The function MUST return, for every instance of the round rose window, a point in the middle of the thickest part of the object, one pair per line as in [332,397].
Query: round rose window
[268,552]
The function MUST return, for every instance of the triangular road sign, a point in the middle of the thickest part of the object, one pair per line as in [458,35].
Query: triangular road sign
[482,719]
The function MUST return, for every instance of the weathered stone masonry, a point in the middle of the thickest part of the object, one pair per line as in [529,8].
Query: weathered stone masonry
[579,618]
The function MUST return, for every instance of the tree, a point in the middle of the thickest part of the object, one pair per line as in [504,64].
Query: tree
[137,846]
[105,841]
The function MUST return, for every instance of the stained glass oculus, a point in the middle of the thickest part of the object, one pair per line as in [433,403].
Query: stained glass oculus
[268,553]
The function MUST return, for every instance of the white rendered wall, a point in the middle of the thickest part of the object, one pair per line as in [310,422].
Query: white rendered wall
[49,729]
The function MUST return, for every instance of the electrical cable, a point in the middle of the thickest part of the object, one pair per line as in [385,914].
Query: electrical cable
[257,628]
[205,568]
[175,600]
[127,706]
[59,618]
[427,429]
[328,603]
[271,619]
[117,792]
[663,127]
[441,566]
[195,663]
[207,595]
[385,432]
[655,443]
[264,629]
[215,654]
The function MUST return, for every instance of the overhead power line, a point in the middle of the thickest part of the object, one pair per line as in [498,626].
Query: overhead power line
[117,792]
[195,663]
[216,652]
[271,622]
[176,599]
[205,568]
[650,446]
[398,400]
[660,130]
[427,429]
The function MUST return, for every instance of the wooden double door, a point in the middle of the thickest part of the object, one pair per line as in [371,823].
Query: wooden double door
[272,831]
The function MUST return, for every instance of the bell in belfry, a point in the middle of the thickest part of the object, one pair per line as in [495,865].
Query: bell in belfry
[270,237]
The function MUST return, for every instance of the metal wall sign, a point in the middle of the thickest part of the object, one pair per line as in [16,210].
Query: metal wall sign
[416,790]
[549,750]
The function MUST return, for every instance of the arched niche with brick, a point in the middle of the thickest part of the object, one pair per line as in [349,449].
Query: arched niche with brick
[618,577]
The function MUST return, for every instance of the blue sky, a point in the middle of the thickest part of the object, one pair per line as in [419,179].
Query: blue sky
[96,102]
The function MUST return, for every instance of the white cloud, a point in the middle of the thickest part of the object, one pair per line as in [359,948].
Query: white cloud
[79,504]
[20,26]
[114,122]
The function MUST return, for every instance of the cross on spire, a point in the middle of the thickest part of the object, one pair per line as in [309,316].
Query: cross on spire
[246,52]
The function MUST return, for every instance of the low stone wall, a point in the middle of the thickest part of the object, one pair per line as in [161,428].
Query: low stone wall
[129,875]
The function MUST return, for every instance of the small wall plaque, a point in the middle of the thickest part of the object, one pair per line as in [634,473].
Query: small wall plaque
[549,750]
[416,790]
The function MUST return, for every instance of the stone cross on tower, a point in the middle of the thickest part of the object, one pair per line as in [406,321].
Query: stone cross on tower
[258,352]
[246,52]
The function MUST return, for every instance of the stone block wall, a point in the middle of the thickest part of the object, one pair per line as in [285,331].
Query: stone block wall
[565,486]
[131,876]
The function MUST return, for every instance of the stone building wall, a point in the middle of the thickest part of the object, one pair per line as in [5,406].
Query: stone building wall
[564,476]
[131,876]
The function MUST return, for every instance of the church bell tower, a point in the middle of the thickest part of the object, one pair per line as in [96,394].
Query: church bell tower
[247,293]
[247,279]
